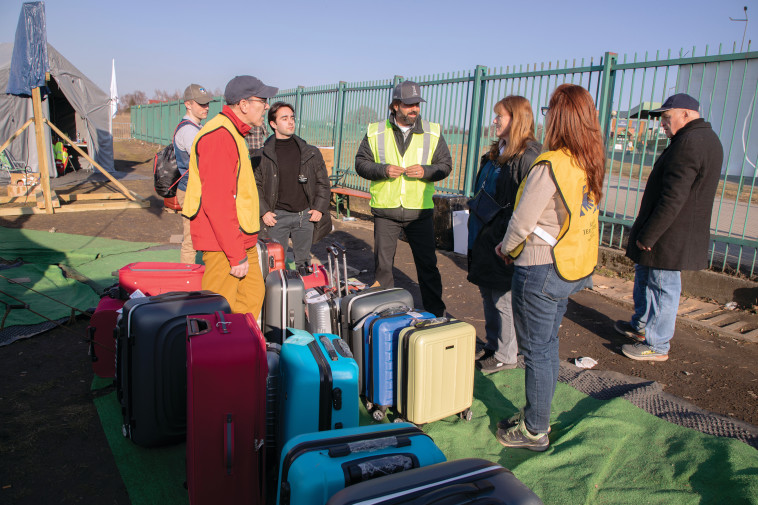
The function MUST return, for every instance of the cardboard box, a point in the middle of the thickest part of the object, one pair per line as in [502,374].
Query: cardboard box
[25,179]
[328,155]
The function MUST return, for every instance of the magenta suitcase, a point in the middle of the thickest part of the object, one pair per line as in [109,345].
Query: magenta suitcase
[227,370]
[155,278]
[101,337]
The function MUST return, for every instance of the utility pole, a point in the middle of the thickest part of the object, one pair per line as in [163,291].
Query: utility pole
[745,21]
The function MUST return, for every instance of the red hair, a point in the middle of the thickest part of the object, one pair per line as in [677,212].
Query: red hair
[572,124]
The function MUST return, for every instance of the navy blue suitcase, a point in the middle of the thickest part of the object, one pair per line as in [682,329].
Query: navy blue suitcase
[380,334]
[319,384]
[462,481]
[315,466]
[151,363]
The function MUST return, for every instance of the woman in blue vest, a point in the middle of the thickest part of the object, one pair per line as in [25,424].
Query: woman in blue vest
[552,239]
[500,174]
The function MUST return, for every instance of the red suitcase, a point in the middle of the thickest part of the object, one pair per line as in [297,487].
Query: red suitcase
[155,278]
[319,277]
[102,341]
[227,369]
[270,255]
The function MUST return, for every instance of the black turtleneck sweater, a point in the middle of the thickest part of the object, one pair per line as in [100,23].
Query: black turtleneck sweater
[291,192]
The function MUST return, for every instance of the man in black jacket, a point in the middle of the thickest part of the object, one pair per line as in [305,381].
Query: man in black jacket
[672,230]
[293,187]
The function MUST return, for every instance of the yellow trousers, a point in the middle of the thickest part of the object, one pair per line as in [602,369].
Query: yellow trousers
[244,295]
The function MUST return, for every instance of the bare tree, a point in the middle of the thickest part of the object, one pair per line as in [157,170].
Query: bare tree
[128,100]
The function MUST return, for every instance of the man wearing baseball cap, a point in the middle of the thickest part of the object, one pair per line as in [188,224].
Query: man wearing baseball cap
[403,157]
[222,198]
[672,230]
[196,102]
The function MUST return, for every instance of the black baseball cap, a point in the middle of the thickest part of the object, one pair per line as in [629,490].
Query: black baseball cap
[407,92]
[245,86]
[678,101]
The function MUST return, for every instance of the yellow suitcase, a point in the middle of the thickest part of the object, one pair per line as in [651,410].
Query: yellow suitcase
[435,370]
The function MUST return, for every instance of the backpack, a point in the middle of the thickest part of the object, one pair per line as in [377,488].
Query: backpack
[165,171]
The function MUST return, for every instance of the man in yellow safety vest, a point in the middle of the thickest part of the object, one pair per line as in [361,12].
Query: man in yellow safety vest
[403,157]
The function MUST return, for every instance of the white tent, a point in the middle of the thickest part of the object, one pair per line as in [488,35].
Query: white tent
[75,105]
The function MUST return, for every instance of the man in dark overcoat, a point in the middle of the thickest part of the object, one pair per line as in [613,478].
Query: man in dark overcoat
[672,230]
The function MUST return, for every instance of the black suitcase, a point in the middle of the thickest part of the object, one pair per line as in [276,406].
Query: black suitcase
[151,363]
[451,483]
[284,305]
[355,307]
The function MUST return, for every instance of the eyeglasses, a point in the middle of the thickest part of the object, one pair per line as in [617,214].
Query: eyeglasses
[253,99]
[544,110]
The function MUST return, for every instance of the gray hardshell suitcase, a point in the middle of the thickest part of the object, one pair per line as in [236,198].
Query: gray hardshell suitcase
[284,305]
[322,304]
[355,307]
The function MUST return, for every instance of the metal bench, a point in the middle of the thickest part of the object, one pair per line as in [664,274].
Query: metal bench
[342,193]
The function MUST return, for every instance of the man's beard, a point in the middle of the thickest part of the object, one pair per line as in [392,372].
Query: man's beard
[406,120]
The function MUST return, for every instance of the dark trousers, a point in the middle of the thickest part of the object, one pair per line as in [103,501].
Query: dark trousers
[419,230]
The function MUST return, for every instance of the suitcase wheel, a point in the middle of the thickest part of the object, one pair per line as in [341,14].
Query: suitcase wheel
[398,420]
[378,414]
[466,415]
[125,430]
[369,406]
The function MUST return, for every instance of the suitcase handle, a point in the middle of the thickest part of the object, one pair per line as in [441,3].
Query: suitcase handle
[229,443]
[377,444]
[381,309]
[330,350]
[420,323]
[91,338]
[377,466]
[393,310]
[221,322]
[344,349]
[196,326]
[448,494]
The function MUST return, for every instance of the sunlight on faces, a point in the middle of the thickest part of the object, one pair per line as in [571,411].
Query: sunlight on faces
[196,110]
[672,120]
[502,122]
[406,115]
[252,110]
[284,125]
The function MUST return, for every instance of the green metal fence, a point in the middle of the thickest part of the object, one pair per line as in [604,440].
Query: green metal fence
[625,89]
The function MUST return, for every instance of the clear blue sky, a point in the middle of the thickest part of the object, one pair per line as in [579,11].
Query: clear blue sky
[166,44]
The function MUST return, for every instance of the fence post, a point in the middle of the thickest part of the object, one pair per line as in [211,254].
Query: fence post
[339,123]
[298,104]
[607,85]
[475,129]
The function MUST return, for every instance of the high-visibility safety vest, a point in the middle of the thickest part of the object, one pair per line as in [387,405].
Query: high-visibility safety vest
[575,249]
[246,196]
[410,193]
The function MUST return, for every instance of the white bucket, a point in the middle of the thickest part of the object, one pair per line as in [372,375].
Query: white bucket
[460,231]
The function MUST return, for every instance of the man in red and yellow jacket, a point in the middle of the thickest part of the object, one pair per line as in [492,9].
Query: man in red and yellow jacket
[222,197]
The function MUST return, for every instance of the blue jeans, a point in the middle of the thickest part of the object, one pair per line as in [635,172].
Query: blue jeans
[656,302]
[498,324]
[540,298]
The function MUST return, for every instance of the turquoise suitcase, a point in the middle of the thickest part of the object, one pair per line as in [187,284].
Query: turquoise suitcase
[319,384]
[315,466]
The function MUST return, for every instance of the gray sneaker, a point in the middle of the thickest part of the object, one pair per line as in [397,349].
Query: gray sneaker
[642,352]
[512,421]
[518,437]
[491,364]
[625,328]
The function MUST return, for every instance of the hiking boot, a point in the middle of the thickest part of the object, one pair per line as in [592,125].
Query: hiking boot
[518,437]
[504,424]
[482,353]
[625,328]
[642,352]
[491,364]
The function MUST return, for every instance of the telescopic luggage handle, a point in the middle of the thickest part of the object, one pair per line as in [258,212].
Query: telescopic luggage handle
[377,444]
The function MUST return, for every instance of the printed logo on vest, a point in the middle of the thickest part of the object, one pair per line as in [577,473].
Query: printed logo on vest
[588,204]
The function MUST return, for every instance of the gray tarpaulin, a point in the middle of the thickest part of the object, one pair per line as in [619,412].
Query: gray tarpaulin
[74,104]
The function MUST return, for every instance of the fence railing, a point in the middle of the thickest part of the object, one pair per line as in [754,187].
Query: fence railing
[624,88]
